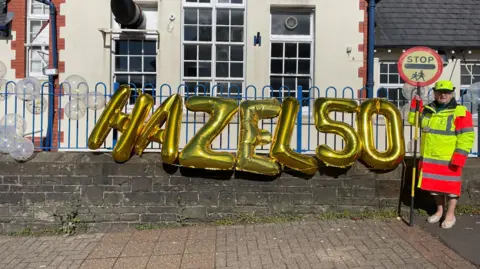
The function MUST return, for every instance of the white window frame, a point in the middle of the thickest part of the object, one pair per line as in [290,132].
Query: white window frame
[214,5]
[41,48]
[296,39]
[469,63]
[389,86]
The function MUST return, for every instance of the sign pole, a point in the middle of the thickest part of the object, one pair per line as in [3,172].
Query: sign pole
[415,166]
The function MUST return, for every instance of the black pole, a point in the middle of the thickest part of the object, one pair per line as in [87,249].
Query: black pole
[415,167]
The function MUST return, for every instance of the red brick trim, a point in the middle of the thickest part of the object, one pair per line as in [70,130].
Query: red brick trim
[19,26]
[61,22]
[363,28]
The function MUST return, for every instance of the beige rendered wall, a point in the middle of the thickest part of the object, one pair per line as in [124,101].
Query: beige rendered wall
[7,54]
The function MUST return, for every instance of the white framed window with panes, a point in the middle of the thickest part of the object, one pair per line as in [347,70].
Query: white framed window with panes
[38,35]
[213,47]
[390,84]
[470,73]
[134,58]
[292,54]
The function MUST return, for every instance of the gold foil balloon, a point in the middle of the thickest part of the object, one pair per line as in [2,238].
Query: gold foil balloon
[352,149]
[198,152]
[281,150]
[110,114]
[170,113]
[395,152]
[131,128]
[251,112]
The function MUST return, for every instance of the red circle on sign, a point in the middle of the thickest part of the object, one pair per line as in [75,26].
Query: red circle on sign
[417,83]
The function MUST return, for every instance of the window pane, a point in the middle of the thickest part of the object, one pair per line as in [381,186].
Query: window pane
[223,17]
[289,84]
[237,1]
[137,80]
[149,48]
[190,33]
[277,50]
[384,79]
[463,69]
[222,70]
[279,27]
[149,64]
[466,80]
[236,53]
[122,79]
[237,17]
[135,64]
[222,53]
[393,68]
[475,69]
[304,50]
[276,66]
[393,79]
[135,47]
[152,80]
[237,34]
[205,52]
[384,68]
[304,67]
[121,63]
[191,16]
[205,16]
[222,34]
[204,69]
[121,47]
[235,88]
[290,67]
[276,83]
[222,88]
[205,33]
[190,69]
[290,50]
[190,52]
[236,70]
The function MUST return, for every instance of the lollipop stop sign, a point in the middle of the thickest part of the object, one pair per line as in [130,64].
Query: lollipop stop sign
[420,66]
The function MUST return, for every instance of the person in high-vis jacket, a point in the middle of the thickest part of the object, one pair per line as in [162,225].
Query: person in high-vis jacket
[447,138]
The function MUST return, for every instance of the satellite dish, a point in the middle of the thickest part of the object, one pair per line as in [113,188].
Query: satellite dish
[408,91]
[3,70]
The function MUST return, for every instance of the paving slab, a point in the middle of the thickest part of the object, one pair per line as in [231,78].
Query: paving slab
[332,244]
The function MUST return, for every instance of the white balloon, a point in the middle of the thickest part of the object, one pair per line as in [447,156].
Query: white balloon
[95,100]
[405,110]
[75,109]
[16,122]
[37,106]
[408,91]
[6,91]
[75,85]
[7,138]
[28,89]
[23,149]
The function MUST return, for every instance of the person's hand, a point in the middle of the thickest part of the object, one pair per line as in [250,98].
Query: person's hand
[416,98]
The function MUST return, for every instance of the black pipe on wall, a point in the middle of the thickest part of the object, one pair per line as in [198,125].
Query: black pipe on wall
[128,14]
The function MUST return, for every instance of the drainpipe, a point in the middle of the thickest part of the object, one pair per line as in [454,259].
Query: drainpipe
[371,47]
[51,76]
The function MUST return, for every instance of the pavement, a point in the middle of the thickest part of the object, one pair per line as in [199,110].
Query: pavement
[338,244]
[464,238]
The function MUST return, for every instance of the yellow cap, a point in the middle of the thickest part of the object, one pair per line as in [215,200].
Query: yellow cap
[444,85]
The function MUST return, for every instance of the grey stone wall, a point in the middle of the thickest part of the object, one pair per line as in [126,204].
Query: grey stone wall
[143,190]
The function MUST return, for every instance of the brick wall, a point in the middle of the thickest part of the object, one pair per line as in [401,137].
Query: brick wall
[363,28]
[19,26]
[143,190]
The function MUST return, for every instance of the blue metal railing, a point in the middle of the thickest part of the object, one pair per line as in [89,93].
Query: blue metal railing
[72,135]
